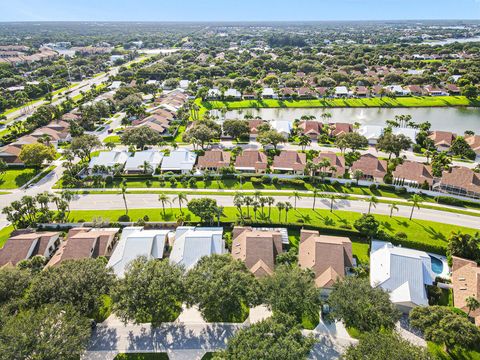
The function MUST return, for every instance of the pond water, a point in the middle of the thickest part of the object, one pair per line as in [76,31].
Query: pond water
[456,120]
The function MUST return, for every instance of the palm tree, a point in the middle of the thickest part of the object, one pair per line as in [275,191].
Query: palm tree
[296,196]
[280,207]
[428,154]
[164,200]
[472,304]
[288,206]
[416,201]
[304,141]
[146,167]
[181,197]
[372,201]
[270,202]
[255,206]
[262,201]
[393,207]
[247,201]
[333,197]
[124,195]
[238,201]
[357,175]
[315,194]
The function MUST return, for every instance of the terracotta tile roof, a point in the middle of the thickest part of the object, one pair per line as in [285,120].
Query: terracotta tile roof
[310,128]
[466,283]
[290,160]
[462,177]
[474,142]
[327,256]
[442,138]
[414,171]
[335,160]
[251,159]
[214,159]
[256,248]
[254,124]
[338,129]
[371,166]
[24,246]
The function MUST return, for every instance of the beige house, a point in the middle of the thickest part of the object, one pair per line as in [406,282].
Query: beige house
[214,160]
[257,248]
[252,161]
[290,161]
[466,283]
[328,256]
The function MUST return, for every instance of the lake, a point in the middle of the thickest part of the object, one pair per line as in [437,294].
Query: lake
[456,120]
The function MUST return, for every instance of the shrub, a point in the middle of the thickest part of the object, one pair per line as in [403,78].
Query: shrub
[256,180]
[266,179]
[148,183]
[401,190]
[373,187]
[388,178]
[335,183]
[348,185]
[386,187]
[146,218]
[275,180]
[140,222]
[293,182]
[109,180]
[401,235]
[124,218]
[449,201]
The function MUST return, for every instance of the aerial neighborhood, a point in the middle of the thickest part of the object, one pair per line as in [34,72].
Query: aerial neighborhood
[242,191]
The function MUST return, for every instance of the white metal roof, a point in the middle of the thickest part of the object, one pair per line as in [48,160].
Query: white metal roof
[181,159]
[109,158]
[371,132]
[135,162]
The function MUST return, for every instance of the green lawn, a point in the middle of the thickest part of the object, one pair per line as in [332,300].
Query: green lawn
[418,232]
[386,102]
[15,178]
[5,234]
[178,136]
[112,138]
[142,356]
[438,353]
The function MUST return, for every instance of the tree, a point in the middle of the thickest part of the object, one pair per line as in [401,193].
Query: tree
[353,141]
[163,200]
[82,146]
[271,137]
[470,92]
[357,175]
[236,128]
[203,133]
[472,304]
[221,287]
[49,332]
[3,167]
[464,245]
[81,283]
[275,338]
[13,283]
[416,201]
[140,137]
[460,147]
[441,161]
[349,299]
[392,207]
[205,208]
[316,192]
[333,198]
[304,141]
[393,144]
[181,198]
[296,196]
[384,346]
[150,291]
[280,207]
[444,326]
[36,154]
[291,290]
[288,206]
[373,201]
[367,225]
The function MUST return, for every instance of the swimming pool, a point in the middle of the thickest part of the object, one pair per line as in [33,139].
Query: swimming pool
[437,265]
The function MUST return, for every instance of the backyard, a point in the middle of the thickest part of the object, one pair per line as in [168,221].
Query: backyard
[15,178]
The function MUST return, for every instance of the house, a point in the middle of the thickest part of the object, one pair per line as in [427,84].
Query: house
[108,160]
[338,129]
[180,160]
[329,257]
[415,90]
[193,243]
[253,125]
[184,84]
[233,94]
[27,245]
[290,161]
[460,181]
[341,91]
[214,160]
[251,161]
[257,248]
[466,283]
[397,90]
[453,89]
[10,154]
[403,272]
[371,132]
[249,96]
[361,91]
[143,162]
[336,161]
[284,127]
[312,129]
[442,139]
[134,242]
[410,133]
[434,91]
[269,93]
[321,91]
[84,243]
[413,174]
[214,94]
[287,93]
[474,142]
[371,167]
[305,93]
[115,85]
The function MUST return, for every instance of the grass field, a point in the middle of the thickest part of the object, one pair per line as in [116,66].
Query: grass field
[15,178]
[112,138]
[5,234]
[385,102]
[438,353]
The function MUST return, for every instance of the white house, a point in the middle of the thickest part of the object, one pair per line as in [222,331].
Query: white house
[135,163]
[371,132]
[408,132]
[214,94]
[284,127]
[402,272]
[109,159]
[269,93]
[184,84]
[397,90]
[181,160]
[193,243]
[135,242]
[233,93]
[341,91]
[115,85]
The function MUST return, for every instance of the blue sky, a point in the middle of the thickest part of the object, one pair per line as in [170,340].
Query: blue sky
[235,10]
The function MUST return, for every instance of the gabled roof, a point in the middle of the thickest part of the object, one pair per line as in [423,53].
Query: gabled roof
[290,160]
[474,142]
[181,159]
[309,127]
[466,283]
[109,158]
[414,171]
[214,159]
[462,177]
[335,160]
[341,128]
[371,166]
[251,160]
[135,162]
[442,138]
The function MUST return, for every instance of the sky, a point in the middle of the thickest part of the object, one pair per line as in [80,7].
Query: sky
[235,10]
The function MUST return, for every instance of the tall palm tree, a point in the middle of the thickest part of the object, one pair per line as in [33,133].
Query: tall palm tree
[146,167]
[416,201]
[472,304]
[288,206]
[247,201]
[393,207]
[164,200]
[333,198]
[315,194]
[304,141]
[238,201]
[181,198]
[124,195]
[262,201]
[255,206]
[296,196]
[280,207]
[270,202]
[373,201]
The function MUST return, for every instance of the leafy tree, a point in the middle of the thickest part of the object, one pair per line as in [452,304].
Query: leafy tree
[140,137]
[464,245]
[379,346]
[203,133]
[80,283]
[13,283]
[304,141]
[444,326]
[204,208]
[362,307]
[276,338]
[367,225]
[50,332]
[82,146]
[470,91]
[460,147]
[151,291]
[393,144]
[271,137]
[291,290]
[221,287]
[3,167]
[36,154]
[236,128]
[472,304]
[34,264]
[353,141]
[441,161]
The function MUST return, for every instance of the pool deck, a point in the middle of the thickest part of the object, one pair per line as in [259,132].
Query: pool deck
[446,269]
